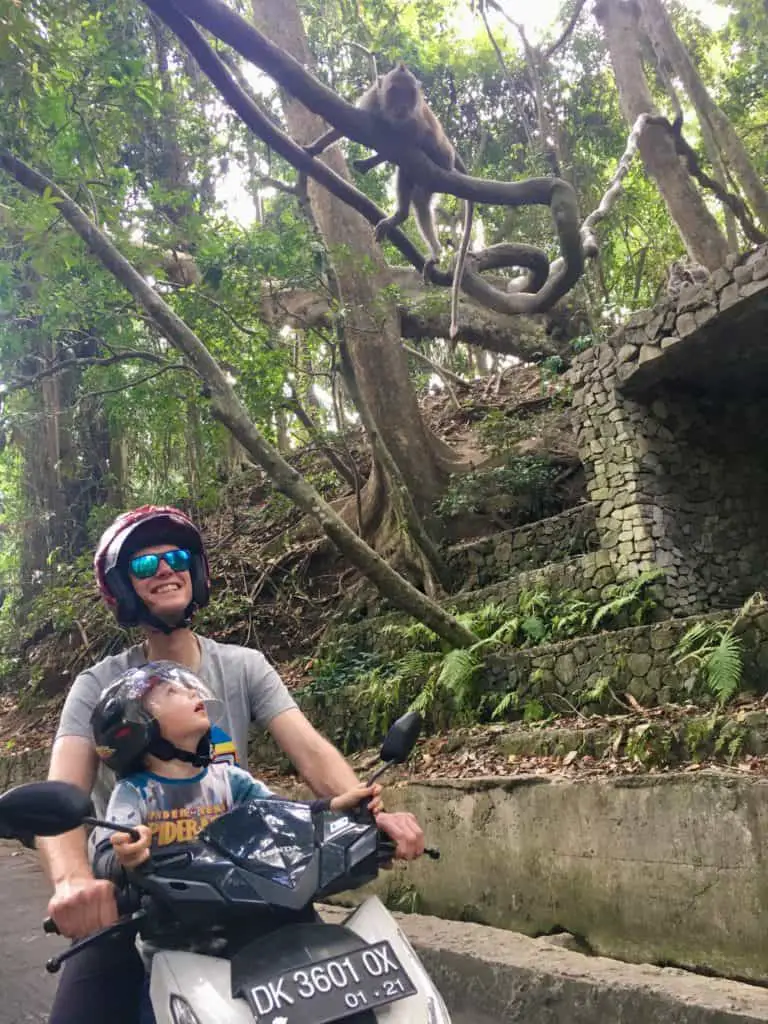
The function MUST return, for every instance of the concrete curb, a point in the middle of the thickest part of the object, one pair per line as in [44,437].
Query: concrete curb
[508,978]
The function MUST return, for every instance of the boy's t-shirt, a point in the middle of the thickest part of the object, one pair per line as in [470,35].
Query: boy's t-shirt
[176,810]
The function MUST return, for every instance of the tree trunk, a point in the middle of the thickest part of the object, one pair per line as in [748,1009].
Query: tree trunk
[698,229]
[372,325]
[62,479]
[713,121]
[229,410]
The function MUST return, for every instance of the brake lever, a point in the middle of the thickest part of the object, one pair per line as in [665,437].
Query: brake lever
[53,964]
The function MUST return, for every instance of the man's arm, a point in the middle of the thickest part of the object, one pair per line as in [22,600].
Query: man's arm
[80,904]
[319,763]
[327,773]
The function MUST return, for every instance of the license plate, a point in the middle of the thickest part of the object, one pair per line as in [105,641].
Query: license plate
[333,989]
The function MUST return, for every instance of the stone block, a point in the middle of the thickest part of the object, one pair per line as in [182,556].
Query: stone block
[653,327]
[753,287]
[626,353]
[639,319]
[729,296]
[705,314]
[721,278]
[742,274]
[694,296]
[648,352]
[669,342]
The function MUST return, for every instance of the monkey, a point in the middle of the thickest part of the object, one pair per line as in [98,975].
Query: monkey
[181,268]
[685,274]
[396,97]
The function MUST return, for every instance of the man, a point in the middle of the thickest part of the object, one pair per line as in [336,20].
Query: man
[152,571]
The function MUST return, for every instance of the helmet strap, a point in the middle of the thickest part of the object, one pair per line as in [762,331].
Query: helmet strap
[147,618]
[165,750]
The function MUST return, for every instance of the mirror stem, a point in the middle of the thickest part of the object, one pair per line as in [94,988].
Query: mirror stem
[379,772]
[115,827]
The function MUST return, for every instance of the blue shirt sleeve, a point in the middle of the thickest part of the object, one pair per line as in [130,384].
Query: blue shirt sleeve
[244,787]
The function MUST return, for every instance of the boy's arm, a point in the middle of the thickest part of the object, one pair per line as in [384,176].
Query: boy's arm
[126,807]
[244,787]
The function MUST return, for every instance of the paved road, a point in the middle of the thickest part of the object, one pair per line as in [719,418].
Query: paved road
[25,986]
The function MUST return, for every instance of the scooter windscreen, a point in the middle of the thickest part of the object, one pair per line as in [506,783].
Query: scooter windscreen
[274,839]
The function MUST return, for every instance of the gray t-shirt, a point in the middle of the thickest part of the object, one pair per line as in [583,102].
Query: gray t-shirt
[247,685]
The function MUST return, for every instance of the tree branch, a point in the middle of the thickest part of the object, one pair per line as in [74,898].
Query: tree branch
[734,203]
[20,383]
[505,71]
[440,371]
[363,127]
[135,383]
[546,54]
[309,424]
[227,407]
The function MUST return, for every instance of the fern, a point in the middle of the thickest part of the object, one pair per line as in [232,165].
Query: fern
[534,711]
[724,667]
[694,639]
[457,672]
[510,701]
[717,654]
[625,595]
[487,619]
[596,693]
[535,628]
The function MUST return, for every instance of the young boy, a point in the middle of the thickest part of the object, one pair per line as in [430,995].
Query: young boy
[153,727]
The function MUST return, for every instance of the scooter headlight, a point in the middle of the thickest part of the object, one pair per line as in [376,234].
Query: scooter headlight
[182,1012]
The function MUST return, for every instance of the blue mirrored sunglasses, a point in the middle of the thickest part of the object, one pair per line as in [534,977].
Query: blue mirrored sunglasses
[144,566]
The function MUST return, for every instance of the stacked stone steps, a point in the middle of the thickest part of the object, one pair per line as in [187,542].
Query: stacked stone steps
[558,553]
[490,560]
[586,675]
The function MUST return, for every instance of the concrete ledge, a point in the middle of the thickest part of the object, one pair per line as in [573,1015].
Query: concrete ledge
[489,974]
[666,869]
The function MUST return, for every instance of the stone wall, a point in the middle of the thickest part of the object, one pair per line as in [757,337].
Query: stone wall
[671,419]
[589,575]
[638,661]
[481,563]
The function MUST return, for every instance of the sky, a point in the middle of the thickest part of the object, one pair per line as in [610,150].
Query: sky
[539,16]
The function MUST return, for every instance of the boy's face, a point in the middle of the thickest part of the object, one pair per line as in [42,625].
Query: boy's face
[168,592]
[180,712]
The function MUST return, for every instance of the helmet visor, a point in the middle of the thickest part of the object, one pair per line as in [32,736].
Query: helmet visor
[152,682]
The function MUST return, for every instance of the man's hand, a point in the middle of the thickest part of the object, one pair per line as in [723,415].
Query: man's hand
[404,830]
[80,906]
[131,853]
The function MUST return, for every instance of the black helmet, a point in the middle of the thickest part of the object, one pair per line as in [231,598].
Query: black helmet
[141,528]
[124,728]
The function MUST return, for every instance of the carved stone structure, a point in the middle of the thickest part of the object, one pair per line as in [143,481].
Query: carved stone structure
[672,426]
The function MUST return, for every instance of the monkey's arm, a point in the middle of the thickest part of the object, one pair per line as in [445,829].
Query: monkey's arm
[322,142]
[363,166]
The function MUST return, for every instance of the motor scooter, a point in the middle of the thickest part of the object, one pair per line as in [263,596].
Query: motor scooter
[243,892]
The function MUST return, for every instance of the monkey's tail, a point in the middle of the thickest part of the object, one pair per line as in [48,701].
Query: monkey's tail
[458,271]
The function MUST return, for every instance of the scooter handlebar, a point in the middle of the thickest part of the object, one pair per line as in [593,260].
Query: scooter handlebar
[127,902]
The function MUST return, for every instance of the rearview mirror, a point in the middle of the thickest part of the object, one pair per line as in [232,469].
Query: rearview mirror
[401,738]
[42,809]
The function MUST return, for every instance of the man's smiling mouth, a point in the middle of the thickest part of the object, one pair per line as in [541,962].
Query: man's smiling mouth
[166,588]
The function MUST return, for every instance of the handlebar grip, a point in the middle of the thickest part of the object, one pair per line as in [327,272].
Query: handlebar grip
[50,927]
